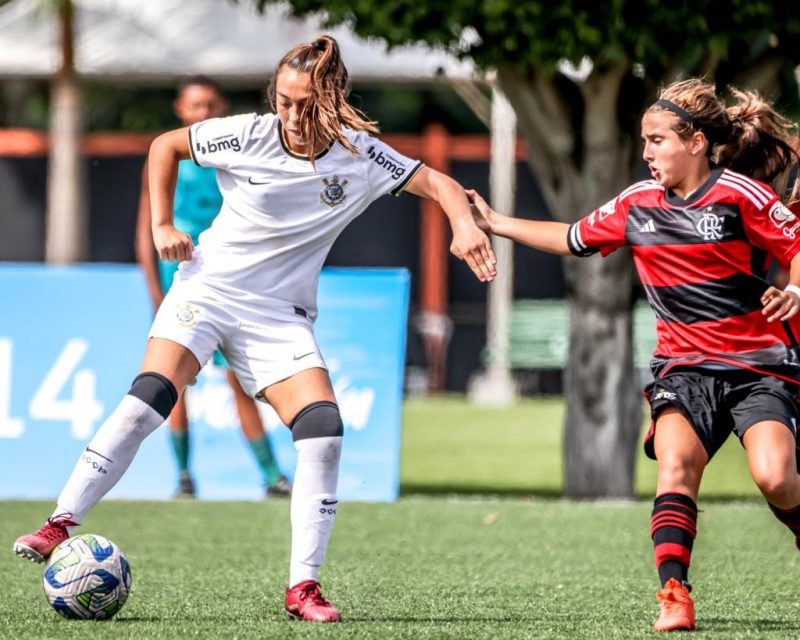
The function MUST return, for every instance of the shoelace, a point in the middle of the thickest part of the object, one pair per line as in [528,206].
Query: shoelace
[312,593]
[56,527]
[672,598]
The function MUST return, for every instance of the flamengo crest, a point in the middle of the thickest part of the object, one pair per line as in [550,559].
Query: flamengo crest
[710,225]
[333,193]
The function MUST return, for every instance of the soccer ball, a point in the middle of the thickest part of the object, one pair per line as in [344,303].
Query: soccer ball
[87,577]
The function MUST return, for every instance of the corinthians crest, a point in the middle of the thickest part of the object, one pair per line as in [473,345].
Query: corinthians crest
[333,193]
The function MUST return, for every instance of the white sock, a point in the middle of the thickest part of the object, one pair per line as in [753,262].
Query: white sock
[314,505]
[106,457]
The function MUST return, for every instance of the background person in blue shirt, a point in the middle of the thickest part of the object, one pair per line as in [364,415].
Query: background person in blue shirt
[197,203]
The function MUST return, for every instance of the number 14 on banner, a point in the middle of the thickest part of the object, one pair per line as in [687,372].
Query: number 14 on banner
[81,410]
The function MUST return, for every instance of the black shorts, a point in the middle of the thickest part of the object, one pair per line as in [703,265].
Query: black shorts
[718,402]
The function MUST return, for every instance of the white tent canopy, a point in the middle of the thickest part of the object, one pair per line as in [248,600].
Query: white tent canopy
[154,39]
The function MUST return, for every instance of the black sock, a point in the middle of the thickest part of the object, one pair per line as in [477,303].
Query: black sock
[673,527]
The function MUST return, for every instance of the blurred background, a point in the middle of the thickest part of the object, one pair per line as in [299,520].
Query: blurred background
[536,106]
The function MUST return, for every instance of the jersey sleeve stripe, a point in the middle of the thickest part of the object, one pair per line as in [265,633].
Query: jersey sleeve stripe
[191,148]
[640,186]
[759,192]
[750,182]
[576,244]
[758,201]
[752,187]
[402,185]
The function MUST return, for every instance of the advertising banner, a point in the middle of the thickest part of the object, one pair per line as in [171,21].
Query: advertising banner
[72,340]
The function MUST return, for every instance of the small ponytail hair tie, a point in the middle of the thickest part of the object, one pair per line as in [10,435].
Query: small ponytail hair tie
[682,113]
[320,45]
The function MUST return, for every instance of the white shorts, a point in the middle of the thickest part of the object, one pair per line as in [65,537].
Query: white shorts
[264,342]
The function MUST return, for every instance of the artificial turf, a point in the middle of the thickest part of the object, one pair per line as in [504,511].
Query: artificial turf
[479,546]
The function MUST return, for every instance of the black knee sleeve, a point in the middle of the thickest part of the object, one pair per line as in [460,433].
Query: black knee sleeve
[155,390]
[317,420]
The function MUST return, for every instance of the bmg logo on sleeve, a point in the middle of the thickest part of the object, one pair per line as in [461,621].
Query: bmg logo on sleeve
[387,162]
[222,143]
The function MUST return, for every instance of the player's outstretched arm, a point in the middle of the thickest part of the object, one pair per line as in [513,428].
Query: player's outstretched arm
[165,153]
[539,234]
[470,244]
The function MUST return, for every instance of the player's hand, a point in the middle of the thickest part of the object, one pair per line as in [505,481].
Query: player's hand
[780,305]
[482,213]
[172,245]
[473,247]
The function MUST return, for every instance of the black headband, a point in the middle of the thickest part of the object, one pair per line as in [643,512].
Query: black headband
[682,113]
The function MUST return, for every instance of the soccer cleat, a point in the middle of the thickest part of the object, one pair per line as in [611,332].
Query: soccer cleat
[304,601]
[281,488]
[38,546]
[185,487]
[677,608]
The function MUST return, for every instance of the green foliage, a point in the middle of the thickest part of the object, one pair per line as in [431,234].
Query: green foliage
[536,34]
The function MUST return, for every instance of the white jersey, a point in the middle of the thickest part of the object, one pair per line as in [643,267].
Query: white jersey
[280,215]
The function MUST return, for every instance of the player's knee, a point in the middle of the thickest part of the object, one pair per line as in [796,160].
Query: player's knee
[775,485]
[156,391]
[679,470]
[317,420]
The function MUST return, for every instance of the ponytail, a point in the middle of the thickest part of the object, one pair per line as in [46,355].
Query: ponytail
[326,111]
[763,144]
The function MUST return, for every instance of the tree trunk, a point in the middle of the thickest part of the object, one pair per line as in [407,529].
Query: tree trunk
[67,219]
[603,403]
[602,393]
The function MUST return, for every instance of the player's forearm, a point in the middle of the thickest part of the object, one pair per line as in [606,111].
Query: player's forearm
[539,234]
[452,199]
[165,153]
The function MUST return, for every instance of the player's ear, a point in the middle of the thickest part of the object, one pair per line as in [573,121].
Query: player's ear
[698,143]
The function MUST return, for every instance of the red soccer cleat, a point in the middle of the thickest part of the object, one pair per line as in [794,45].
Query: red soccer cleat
[38,546]
[677,608]
[304,601]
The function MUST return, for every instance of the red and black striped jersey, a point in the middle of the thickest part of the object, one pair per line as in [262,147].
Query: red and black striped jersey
[702,263]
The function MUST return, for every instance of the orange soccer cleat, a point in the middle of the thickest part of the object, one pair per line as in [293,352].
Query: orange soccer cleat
[677,608]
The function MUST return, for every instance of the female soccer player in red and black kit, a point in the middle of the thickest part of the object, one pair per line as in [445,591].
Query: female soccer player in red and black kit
[701,234]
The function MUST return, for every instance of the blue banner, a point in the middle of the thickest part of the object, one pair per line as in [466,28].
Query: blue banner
[72,340]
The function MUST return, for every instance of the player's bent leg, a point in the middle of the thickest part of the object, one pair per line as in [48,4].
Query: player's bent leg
[109,453]
[770,447]
[681,461]
[317,432]
[770,450]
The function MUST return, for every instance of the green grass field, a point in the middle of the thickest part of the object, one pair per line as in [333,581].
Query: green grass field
[453,564]
[450,446]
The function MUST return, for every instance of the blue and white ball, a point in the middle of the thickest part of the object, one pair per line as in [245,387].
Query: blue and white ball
[87,577]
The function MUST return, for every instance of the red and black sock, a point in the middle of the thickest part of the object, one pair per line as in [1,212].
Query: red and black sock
[790,518]
[673,527]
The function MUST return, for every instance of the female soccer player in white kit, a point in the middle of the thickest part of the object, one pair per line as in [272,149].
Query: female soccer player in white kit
[291,183]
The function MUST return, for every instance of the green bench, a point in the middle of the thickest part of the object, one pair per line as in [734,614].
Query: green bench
[539,334]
